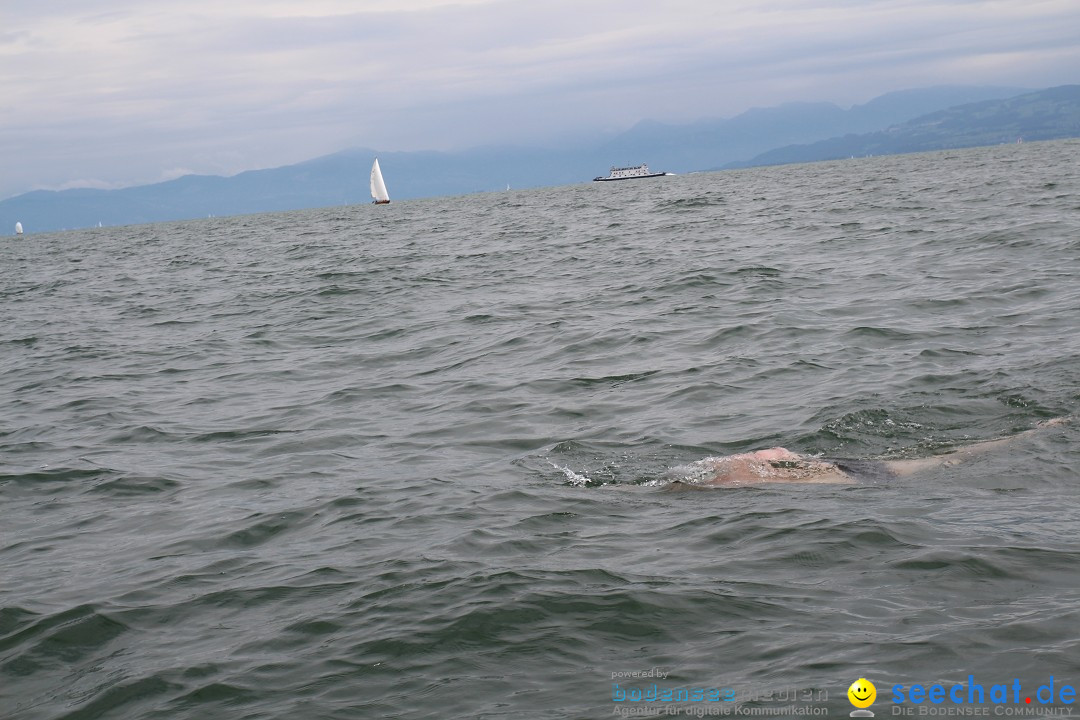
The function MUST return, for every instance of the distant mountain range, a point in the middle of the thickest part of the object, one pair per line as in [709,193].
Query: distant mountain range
[908,121]
[1043,115]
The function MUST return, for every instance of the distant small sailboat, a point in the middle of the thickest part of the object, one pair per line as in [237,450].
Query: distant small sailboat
[18,228]
[378,187]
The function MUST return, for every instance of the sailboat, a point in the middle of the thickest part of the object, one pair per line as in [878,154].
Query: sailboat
[18,228]
[378,187]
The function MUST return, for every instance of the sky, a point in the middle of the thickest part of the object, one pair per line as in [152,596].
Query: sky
[112,93]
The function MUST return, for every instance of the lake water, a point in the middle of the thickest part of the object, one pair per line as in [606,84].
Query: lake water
[415,461]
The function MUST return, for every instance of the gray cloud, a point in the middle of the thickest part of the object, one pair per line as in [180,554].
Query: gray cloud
[119,91]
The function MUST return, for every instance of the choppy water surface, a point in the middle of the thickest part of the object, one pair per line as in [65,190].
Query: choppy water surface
[414,461]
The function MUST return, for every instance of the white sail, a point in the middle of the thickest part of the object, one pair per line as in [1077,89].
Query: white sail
[18,228]
[378,187]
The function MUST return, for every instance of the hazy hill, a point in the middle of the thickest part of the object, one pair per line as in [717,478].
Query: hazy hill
[342,178]
[1042,115]
[713,143]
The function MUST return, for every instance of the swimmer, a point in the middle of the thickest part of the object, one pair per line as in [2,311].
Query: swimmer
[779,465]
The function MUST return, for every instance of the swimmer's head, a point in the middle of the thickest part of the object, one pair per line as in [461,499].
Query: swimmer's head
[776,453]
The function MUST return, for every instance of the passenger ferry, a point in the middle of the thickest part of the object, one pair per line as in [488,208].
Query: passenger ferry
[631,173]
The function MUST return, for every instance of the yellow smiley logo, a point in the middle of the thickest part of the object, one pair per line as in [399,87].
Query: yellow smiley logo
[862,693]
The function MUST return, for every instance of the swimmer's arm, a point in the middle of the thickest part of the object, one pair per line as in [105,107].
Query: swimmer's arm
[907,467]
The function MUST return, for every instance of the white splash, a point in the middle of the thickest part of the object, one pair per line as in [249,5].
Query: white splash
[571,476]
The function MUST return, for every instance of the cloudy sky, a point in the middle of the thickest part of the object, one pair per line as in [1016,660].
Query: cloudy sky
[107,93]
